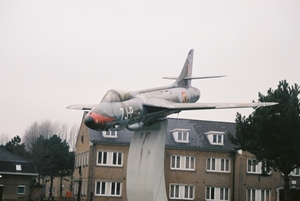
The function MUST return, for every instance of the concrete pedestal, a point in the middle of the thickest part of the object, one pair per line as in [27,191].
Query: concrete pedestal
[145,168]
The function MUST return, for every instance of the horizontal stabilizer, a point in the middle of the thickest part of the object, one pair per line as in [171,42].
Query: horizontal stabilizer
[82,106]
[191,78]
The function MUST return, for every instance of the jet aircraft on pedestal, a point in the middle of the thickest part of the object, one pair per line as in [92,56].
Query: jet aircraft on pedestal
[133,109]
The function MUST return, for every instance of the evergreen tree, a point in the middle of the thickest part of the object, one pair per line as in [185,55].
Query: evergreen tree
[15,146]
[52,158]
[272,133]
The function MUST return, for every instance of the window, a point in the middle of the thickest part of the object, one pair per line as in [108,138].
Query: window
[296,172]
[79,160]
[75,188]
[53,191]
[179,191]
[87,158]
[21,189]
[82,159]
[218,164]
[110,134]
[107,158]
[18,167]
[256,167]
[181,135]
[253,166]
[217,193]
[182,163]
[215,137]
[83,187]
[258,195]
[106,188]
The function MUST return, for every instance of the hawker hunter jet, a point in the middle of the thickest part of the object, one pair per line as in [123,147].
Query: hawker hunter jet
[133,109]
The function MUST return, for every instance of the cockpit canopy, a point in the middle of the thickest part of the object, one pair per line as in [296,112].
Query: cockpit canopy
[116,96]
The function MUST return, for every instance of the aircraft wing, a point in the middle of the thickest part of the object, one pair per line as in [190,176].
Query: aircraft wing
[161,103]
[82,106]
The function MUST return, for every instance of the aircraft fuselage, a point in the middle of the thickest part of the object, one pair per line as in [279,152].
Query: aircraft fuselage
[131,113]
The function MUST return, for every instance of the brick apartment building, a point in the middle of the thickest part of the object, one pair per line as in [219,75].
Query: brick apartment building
[200,164]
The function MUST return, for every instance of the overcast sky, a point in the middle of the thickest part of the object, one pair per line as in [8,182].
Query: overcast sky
[58,53]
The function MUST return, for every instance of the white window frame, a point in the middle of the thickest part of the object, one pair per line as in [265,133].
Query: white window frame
[75,188]
[110,134]
[218,139]
[109,158]
[110,188]
[182,192]
[79,159]
[255,167]
[21,187]
[182,163]
[83,188]
[217,193]
[84,159]
[258,195]
[183,136]
[218,165]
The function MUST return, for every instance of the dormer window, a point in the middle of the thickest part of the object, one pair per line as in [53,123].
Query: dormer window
[181,135]
[110,134]
[215,137]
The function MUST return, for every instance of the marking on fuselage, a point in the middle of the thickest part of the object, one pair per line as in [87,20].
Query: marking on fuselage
[127,113]
[185,98]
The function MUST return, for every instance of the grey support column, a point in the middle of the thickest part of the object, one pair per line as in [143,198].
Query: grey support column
[145,168]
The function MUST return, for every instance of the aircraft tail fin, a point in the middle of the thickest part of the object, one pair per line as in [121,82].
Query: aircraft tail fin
[185,76]
[186,71]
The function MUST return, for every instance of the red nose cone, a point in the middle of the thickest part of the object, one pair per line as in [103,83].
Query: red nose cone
[96,121]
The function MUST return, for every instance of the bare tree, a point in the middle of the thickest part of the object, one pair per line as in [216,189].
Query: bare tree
[35,130]
[67,132]
[72,136]
[62,130]
[47,129]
